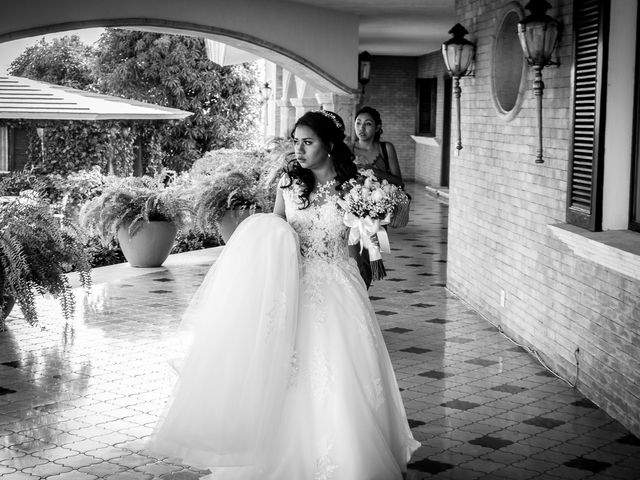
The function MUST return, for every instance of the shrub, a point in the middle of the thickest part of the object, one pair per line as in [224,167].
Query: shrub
[102,254]
[189,240]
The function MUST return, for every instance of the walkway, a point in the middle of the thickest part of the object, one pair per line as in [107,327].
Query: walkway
[78,402]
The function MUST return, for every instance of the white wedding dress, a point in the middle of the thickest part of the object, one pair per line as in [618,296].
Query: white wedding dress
[288,376]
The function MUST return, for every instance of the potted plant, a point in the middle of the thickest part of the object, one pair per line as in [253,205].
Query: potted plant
[225,200]
[233,184]
[37,250]
[143,214]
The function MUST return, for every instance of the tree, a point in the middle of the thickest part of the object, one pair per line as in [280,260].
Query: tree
[174,71]
[65,61]
[68,145]
[168,70]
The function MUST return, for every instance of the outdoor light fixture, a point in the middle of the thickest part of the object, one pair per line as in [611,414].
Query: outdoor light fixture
[458,53]
[538,35]
[265,92]
[364,68]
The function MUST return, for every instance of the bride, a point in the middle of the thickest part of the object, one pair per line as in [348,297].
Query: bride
[288,376]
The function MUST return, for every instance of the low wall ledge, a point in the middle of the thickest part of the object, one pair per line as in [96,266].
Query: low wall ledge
[429,141]
[618,250]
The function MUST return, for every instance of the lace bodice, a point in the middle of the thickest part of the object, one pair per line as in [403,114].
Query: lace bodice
[320,227]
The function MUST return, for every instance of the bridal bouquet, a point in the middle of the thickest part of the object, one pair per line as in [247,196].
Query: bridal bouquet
[368,204]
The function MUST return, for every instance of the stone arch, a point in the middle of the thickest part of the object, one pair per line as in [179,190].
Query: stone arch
[285,33]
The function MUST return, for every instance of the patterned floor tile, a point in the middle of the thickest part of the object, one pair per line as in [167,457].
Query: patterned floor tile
[460,405]
[482,362]
[398,330]
[508,388]
[430,466]
[438,375]
[543,422]
[491,442]
[416,350]
[79,401]
[630,440]
[588,464]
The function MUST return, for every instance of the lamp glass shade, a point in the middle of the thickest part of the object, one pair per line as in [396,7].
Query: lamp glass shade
[458,57]
[265,92]
[364,67]
[538,39]
[365,71]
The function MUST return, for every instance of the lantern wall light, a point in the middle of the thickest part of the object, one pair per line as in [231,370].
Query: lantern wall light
[538,35]
[265,92]
[458,54]
[364,68]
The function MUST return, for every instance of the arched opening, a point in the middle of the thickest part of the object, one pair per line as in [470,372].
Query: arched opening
[288,36]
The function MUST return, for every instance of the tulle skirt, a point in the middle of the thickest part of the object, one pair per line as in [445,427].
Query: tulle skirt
[288,377]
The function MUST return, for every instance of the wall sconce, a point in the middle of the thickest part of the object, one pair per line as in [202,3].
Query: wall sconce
[538,35]
[265,92]
[364,68]
[458,53]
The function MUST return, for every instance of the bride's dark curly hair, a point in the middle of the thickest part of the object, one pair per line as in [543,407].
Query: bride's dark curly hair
[329,128]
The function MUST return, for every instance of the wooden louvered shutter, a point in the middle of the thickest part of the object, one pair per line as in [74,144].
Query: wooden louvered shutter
[584,199]
[634,221]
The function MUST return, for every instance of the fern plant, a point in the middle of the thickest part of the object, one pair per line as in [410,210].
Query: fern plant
[237,179]
[37,250]
[223,192]
[133,201]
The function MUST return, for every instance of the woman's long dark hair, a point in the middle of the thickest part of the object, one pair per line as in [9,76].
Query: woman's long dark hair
[329,128]
[377,119]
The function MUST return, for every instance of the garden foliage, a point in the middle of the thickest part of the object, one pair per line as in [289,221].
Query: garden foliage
[163,69]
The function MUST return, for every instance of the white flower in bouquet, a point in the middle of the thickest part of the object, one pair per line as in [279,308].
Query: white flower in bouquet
[378,195]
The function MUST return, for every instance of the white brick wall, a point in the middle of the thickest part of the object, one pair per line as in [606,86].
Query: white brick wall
[428,164]
[501,204]
[392,91]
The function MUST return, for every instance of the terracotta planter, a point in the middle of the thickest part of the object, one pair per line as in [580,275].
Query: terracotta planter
[232,219]
[149,247]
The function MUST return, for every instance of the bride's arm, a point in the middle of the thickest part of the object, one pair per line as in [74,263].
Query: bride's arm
[278,208]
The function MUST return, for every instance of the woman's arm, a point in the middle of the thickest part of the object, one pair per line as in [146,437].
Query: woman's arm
[278,207]
[393,175]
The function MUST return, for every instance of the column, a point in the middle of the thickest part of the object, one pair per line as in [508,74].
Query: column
[287,117]
[304,105]
[343,105]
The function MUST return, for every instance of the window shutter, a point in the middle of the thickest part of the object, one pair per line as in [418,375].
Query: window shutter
[584,199]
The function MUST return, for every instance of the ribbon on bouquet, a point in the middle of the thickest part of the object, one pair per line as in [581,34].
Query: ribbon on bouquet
[371,235]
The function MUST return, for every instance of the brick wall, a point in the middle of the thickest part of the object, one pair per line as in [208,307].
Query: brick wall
[501,207]
[392,91]
[428,163]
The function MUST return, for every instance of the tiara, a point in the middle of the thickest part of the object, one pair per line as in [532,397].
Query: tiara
[337,121]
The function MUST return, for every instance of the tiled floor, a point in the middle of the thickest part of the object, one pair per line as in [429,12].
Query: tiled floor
[78,401]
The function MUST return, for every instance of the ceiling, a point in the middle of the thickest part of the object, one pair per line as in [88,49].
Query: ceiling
[397,27]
